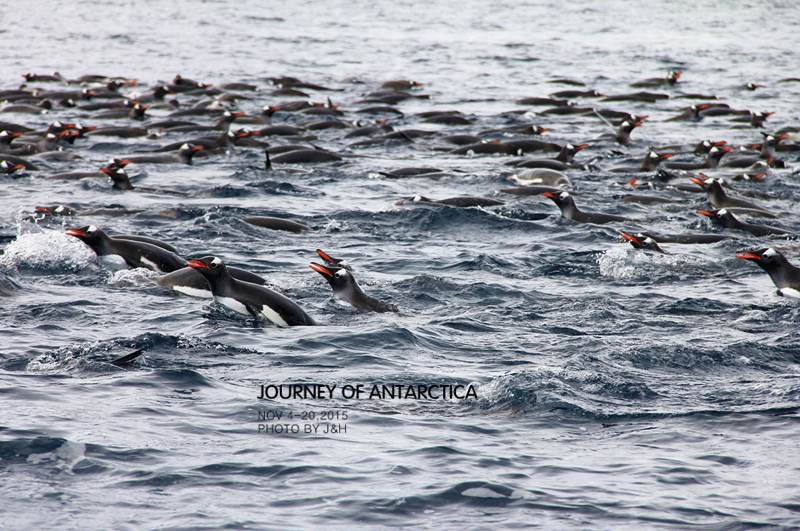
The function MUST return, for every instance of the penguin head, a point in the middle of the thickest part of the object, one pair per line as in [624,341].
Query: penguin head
[210,267]
[561,199]
[415,199]
[339,278]
[187,151]
[90,234]
[767,259]
[119,178]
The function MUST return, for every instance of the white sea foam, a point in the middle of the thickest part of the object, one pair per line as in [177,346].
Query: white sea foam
[64,457]
[47,250]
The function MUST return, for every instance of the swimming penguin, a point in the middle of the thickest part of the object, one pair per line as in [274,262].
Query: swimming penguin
[277,224]
[189,282]
[305,156]
[6,168]
[345,288]
[649,163]
[718,197]
[569,210]
[783,274]
[671,79]
[648,97]
[184,156]
[540,176]
[713,157]
[560,162]
[121,181]
[639,242]
[127,253]
[461,202]
[689,114]
[247,298]
[685,239]
[729,221]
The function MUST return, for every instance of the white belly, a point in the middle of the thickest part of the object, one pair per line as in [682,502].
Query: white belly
[233,304]
[114,261]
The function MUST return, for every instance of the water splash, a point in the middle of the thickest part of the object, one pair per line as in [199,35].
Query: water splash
[48,251]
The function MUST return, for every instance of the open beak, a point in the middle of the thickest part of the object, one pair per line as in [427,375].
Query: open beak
[322,254]
[320,269]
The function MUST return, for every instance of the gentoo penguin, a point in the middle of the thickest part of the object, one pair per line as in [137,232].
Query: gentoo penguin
[671,79]
[189,282]
[185,155]
[345,288]
[540,176]
[783,274]
[571,94]
[729,221]
[305,156]
[527,191]
[6,168]
[649,163]
[452,201]
[623,135]
[689,114]
[713,157]
[247,298]
[566,203]
[640,242]
[277,224]
[121,181]
[684,238]
[718,197]
[562,161]
[399,85]
[649,97]
[123,253]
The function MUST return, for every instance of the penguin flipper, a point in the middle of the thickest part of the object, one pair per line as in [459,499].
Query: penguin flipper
[124,360]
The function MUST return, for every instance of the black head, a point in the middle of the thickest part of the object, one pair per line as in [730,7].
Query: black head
[339,278]
[187,151]
[119,177]
[90,235]
[8,168]
[767,259]
[561,200]
[640,241]
[210,267]
[722,215]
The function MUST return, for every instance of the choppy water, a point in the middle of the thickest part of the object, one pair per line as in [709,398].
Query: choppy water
[616,389]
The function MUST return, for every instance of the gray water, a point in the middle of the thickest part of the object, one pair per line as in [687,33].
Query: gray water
[616,389]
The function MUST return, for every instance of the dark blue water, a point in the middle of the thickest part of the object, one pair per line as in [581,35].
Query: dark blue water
[615,388]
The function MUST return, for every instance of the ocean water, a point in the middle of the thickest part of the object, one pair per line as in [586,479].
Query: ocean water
[611,388]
